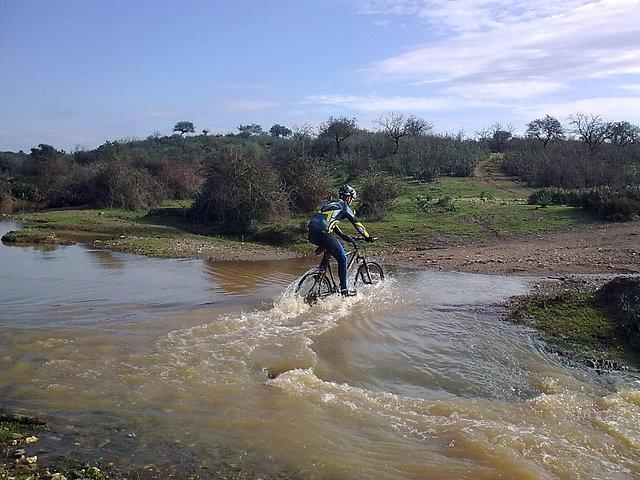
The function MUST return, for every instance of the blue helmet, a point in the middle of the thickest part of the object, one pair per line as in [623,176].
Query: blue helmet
[347,191]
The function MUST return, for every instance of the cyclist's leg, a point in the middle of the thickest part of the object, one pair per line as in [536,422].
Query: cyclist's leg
[335,249]
[318,239]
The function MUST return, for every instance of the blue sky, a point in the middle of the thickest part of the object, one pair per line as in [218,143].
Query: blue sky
[74,74]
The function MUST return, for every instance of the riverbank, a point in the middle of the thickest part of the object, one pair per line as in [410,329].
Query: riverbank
[591,248]
[136,233]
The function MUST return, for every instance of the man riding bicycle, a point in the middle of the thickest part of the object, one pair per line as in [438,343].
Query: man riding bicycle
[325,222]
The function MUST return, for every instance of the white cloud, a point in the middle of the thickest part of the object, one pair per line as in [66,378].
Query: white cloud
[630,87]
[595,40]
[468,15]
[378,103]
[373,103]
[507,90]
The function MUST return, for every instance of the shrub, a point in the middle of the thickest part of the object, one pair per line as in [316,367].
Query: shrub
[615,204]
[543,198]
[239,189]
[307,181]
[180,179]
[447,203]
[379,192]
[426,157]
[621,297]
[567,164]
[621,209]
[74,189]
[24,191]
[427,173]
[5,197]
[120,185]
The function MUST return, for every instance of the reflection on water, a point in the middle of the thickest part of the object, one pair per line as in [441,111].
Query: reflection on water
[149,360]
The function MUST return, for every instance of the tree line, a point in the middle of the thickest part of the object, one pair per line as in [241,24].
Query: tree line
[255,177]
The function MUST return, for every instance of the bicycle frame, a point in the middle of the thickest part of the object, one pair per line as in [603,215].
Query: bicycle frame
[320,282]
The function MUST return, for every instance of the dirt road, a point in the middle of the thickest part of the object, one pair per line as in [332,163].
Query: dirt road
[598,248]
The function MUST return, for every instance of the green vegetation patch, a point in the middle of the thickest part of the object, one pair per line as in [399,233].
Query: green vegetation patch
[451,209]
[32,236]
[579,325]
[163,234]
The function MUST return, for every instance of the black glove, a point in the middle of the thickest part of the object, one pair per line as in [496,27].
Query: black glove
[369,239]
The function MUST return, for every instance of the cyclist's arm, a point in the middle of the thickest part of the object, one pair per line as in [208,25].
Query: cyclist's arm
[360,228]
[356,223]
[341,234]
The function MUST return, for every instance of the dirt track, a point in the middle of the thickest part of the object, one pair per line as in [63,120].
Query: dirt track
[601,248]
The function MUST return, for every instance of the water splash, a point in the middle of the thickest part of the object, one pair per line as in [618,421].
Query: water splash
[270,340]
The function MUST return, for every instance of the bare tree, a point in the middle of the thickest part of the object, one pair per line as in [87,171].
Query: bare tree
[395,124]
[418,126]
[398,125]
[303,131]
[590,129]
[545,129]
[483,135]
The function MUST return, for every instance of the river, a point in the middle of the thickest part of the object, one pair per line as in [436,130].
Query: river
[172,362]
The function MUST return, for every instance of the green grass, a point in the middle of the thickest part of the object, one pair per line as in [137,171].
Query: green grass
[574,323]
[32,236]
[125,231]
[473,212]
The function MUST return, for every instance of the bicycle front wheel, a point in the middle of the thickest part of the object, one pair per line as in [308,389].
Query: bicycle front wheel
[313,286]
[369,273]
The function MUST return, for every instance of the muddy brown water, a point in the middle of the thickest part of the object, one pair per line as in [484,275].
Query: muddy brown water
[146,361]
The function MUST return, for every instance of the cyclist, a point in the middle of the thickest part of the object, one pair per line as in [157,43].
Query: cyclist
[325,222]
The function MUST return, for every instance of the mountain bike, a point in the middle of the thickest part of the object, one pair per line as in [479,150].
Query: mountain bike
[322,281]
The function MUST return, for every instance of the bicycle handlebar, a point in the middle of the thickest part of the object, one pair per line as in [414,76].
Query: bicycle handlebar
[360,239]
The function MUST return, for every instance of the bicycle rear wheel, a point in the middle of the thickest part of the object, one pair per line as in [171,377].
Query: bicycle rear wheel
[313,286]
[369,273]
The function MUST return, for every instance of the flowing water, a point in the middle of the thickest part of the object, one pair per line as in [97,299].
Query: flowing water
[144,361]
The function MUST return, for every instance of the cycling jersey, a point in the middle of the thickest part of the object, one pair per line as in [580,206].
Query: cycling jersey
[326,219]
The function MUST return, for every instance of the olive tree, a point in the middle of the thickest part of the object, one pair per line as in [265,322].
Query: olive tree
[250,130]
[623,133]
[280,131]
[338,129]
[500,137]
[545,129]
[184,127]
